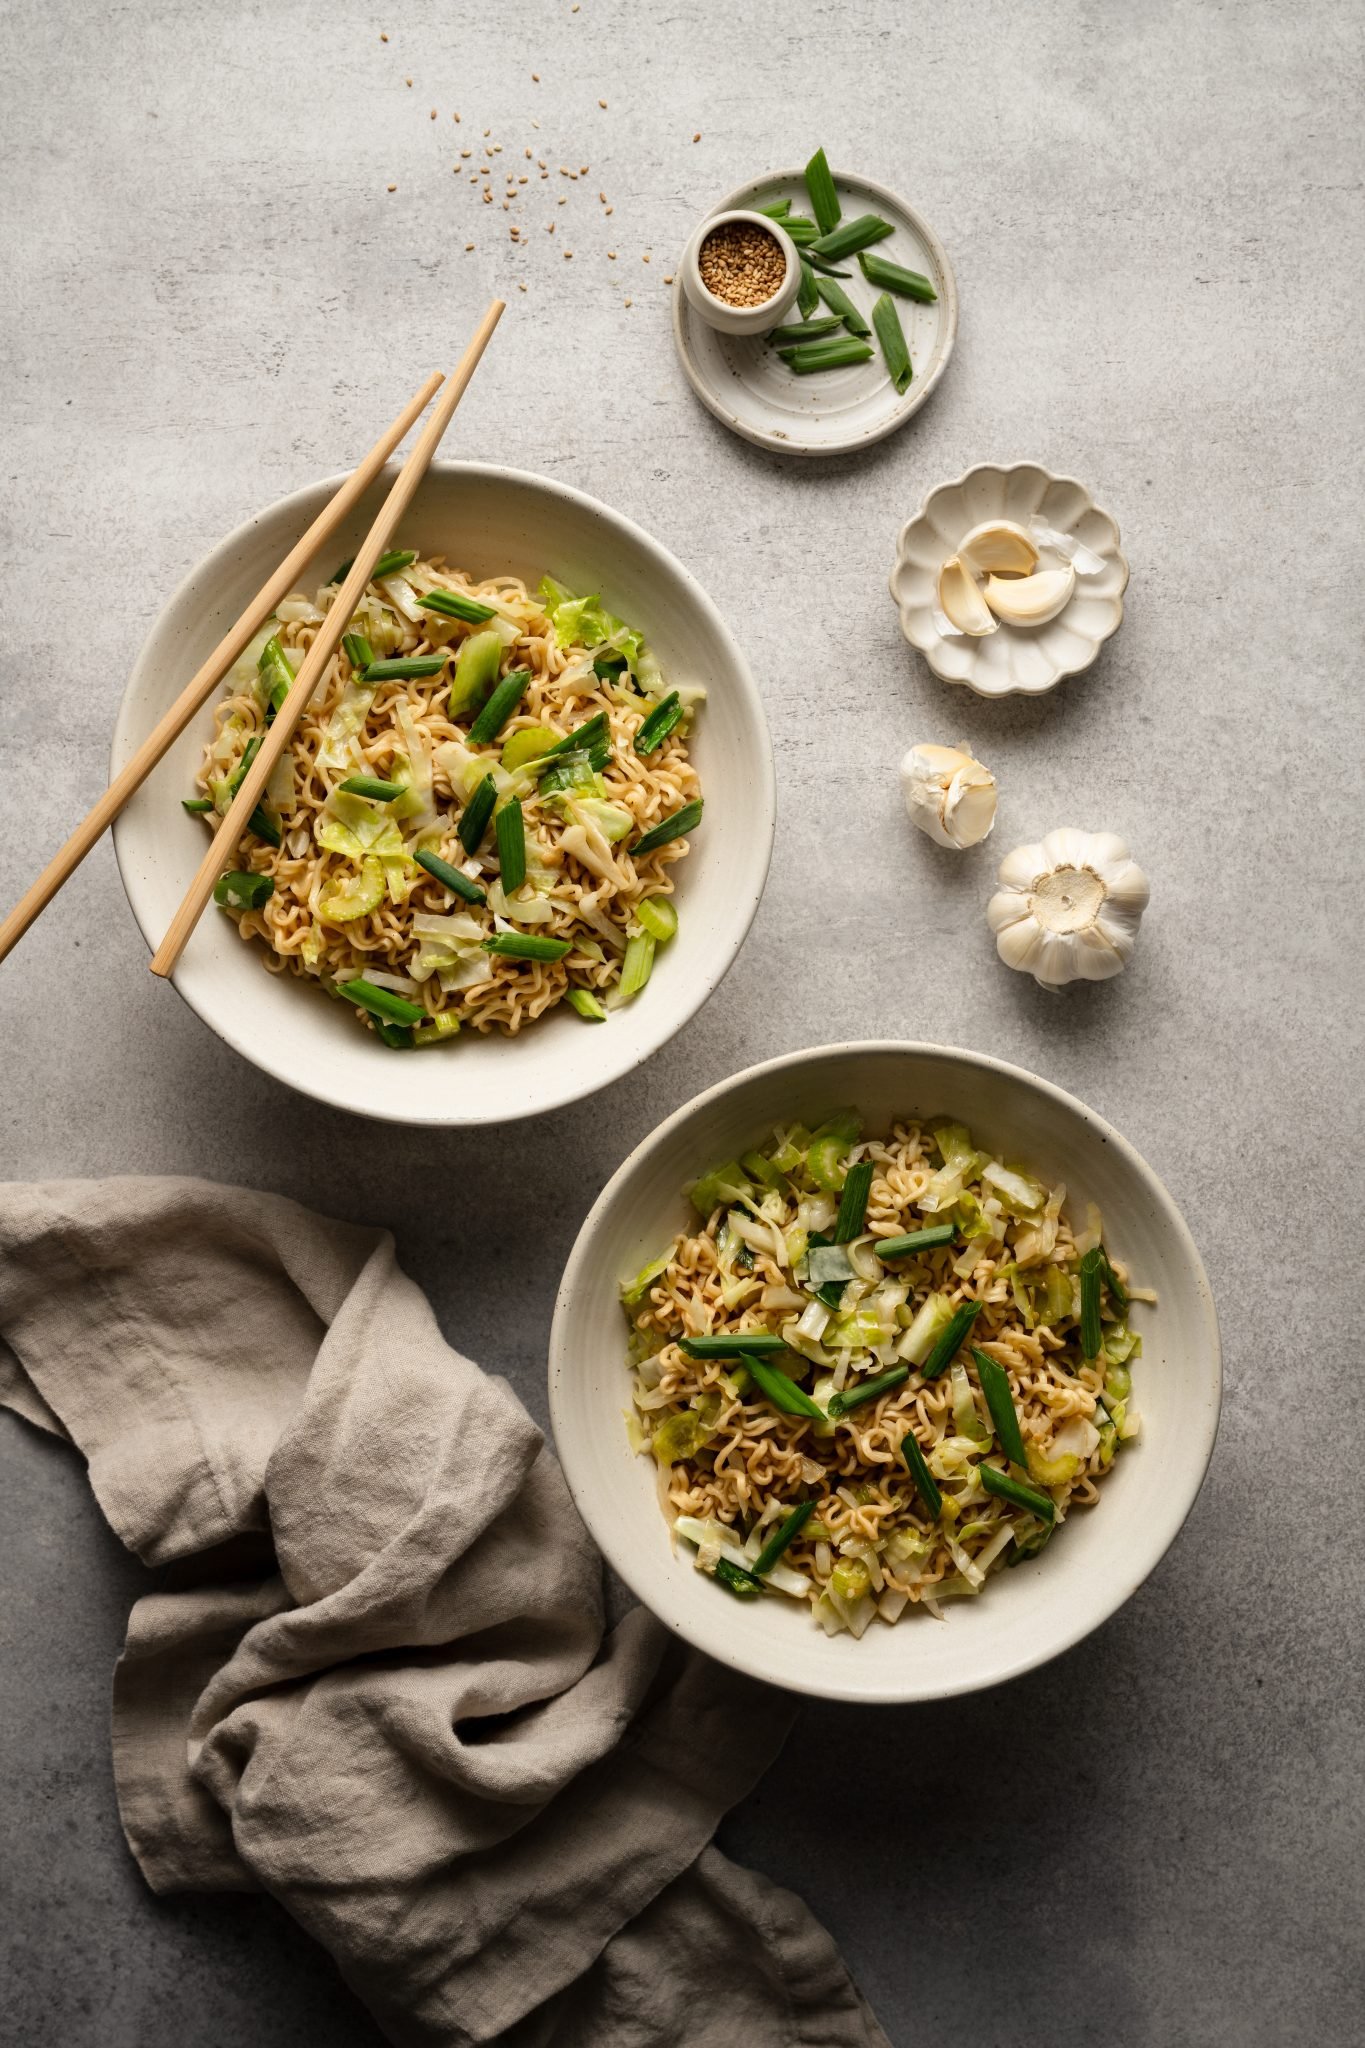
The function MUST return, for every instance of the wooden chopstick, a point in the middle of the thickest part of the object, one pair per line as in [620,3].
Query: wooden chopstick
[97,821]
[319,655]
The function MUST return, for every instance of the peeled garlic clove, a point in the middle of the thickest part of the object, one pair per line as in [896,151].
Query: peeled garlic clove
[961,600]
[1030,600]
[948,794]
[999,544]
[1068,909]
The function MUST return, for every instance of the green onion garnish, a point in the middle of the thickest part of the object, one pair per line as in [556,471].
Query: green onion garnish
[807,298]
[405,669]
[637,965]
[824,200]
[925,1486]
[891,337]
[238,775]
[275,674]
[607,666]
[682,822]
[852,236]
[1117,1290]
[867,1390]
[819,263]
[1014,1490]
[811,356]
[509,829]
[239,891]
[659,724]
[741,1583]
[853,1202]
[908,284]
[477,811]
[776,210]
[453,604]
[782,1538]
[382,1002]
[915,1241]
[592,737]
[197,803]
[950,1339]
[741,1344]
[451,878]
[995,1385]
[399,1036]
[1092,1336]
[499,708]
[263,825]
[526,946]
[358,652]
[839,302]
[782,1392]
[569,772]
[396,558]
[803,330]
[342,570]
[373,786]
[585,1002]
[802,231]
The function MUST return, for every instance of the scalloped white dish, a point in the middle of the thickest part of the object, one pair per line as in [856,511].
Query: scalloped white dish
[1066,524]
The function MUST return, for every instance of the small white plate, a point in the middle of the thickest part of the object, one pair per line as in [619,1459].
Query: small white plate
[746,384]
[1067,525]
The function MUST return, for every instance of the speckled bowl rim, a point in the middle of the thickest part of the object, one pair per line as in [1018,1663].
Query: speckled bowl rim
[912,401]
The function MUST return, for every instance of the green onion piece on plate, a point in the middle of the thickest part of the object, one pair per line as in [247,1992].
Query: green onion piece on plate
[807,297]
[585,1002]
[803,330]
[242,891]
[374,787]
[893,277]
[526,946]
[197,803]
[358,652]
[995,1385]
[915,1241]
[382,1002]
[1016,1493]
[809,357]
[776,210]
[848,1224]
[476,814]
[867,1390]
[395,559]
[824,200]
[1092,1337]
[676,827]
[913,1458]
[509,829]
[839,302]
[950,1340]
[802,231]
[453,604]
[404,669]
[819,263]
[450,878]
[782,1392]
[891,339]
[782,1538]
[659,724]
[739,1582]
[851,236]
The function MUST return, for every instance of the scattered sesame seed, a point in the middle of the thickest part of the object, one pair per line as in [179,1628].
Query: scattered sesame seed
[535,125]
[568,255]
[629,302]
[393,188]
[562,200]
[407,81]
[521,287]
[601,103]
[497,149]
[521,181]
[487,196]
[466,152]
[668,277]
[539,160]
[382,37]
[454,117]
[468,247]
[433,113]
[484,171]
[611,255]
[610,211]
[603,197]
[644,259]
[550,229]
[563,170]
[697,136]
[535,78]
[545,174]
[582,170]
[505,204]
[528,156]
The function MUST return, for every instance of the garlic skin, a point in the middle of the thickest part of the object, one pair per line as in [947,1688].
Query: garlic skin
[1068,909]
[948,795]
[960,599]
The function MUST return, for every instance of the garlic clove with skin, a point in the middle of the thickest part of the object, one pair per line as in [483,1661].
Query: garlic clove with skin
[950,796]
[960,597]
[1031,600]
[1068,909]
[999,545]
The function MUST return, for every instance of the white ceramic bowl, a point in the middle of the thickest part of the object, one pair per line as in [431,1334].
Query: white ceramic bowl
[489,520]
[1024,1616]
[1027,659]
[719,313]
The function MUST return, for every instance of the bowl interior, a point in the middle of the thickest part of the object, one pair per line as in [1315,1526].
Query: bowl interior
[1025,1615]
[488,521]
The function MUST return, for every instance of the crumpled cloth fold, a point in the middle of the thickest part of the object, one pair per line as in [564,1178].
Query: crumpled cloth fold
[375,1680]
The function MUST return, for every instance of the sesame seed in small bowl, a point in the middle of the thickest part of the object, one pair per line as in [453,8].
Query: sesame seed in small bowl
[741,273]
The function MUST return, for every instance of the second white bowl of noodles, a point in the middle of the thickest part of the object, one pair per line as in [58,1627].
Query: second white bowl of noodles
[488,521]
[1023,1616]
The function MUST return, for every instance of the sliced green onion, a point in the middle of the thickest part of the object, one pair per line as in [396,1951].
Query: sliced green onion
[342,570]
[499,708]
[824,200]
[925,1486]
[820,263]
[812,356]
[238,775]
[451,878]
[782,1538]
[263,825]
[373,786]
[526,946]
[275,674]
[509,829]
[853,1202]
[606,666]
[739,1582]
[995,1385]
[853,235]
[453,604]
[807,297]
[358,652]
[437,1029]
[239,891]
[570,772]
[741,1344]
[1117,1290]
[891,338]
[867,1390]
[802,231]
[382,1002]
[839,302]
[914,1241]
[659,724]
[197,803]
[782,1392]
[891,277]
[677,827]
[592,736]
[396,558]
[406,669]
[1092,1336]
[950,1340]
[477,811]
[776,210]
[638,964]
[399,1036]
[803,330]
[658,917]
[585,1002]
[1016,1493]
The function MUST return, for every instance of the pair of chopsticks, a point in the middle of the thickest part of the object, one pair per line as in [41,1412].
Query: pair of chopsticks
[226,839]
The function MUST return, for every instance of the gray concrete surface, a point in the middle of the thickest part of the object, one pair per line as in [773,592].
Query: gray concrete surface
[1154,211]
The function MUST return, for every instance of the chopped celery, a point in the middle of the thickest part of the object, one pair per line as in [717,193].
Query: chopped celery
[727,1183]
[828,1146]
[634,1291]
[850,1578]
[476,670]
[762,1169]
[587,1005]
[637,965]
[1058,1471]
[529,743]
[931,1319]
[353,895]
[658,917]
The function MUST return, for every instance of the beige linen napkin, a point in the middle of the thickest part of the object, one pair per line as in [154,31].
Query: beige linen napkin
[375,1680]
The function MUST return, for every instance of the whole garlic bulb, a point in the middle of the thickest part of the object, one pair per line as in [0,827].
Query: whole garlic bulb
[1068,909]
[948,794]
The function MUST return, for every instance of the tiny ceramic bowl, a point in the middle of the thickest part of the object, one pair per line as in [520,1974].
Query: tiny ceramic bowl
[1066,525]
[1022,1616]
[720,313]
